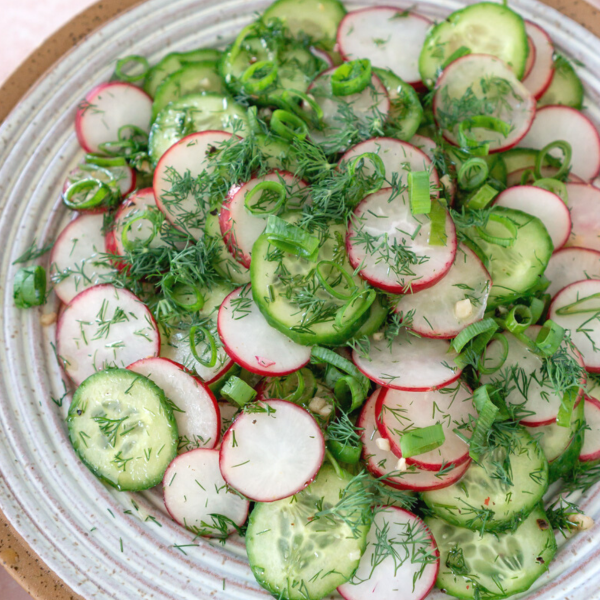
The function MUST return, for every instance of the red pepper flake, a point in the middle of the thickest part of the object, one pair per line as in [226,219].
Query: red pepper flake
[487,501]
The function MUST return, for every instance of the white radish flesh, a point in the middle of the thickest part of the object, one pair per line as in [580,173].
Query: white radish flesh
[228,413]
[569,265]
[252,342]
[103,327]
[517,177]
[591,441]
[538,80]
[77,261]
[194,489]
[409,363]
[530,56]
[425,144]
[107,108]
[438,312]
[584,204]
[273,453]
[379,229]
[198,418]
[124,176]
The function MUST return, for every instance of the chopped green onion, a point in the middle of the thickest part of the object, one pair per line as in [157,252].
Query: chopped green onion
[483,369]
[287,97]
[345,453]
[238,391]
[351,77]
[341,276]
[147,215]
[104,161]
[518,319]
[349,392]
[469,143]
[527,177]
[458,53]
[239,40]
[567,151]
[488,412]
[482,197]
[364,298]
[325,355]
[259,76]
[29,288]
[288,125]
[437,233]
[88,194]
[297,393]
[378,176]
[567,404]
[508,224]
[537,307]
[290,238]
[131,68]
[472,173]
[549,338]
[274,193]
[421,440]
[179,292]
[472,331]
[555,186]
[418,192]
[207,337]
[580,306]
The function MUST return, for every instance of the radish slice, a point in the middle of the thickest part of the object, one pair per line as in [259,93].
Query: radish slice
[425,144]
[252,342]
[516,177]
[194,490]
[382,462]
[272,452]
[104,327]
[409,363]
[538,396]
[538,80]
[228,413]
[457,300]
[413,559]
[584,326]
[397,156]
[189,155]
[239,227]
[125,176]
[107,108]
[554,123]
[545,205]
[380,228]
[388,41]
[323,55]
[584,203]
[591,440]
[398,411]
[570,265]
[372,102]
[77,262]
[465,76]
[198,418]
[530,56]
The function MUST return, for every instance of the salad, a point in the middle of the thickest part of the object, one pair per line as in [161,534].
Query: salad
[335,289]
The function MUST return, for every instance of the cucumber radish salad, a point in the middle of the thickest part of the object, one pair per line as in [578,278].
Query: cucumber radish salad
[335,289]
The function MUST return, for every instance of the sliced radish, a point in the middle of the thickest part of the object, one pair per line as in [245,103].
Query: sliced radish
[546,206]
[538,80]
[380,229]
[189,155]
[413,559]
[104,327]
[239,227]
[381,462]
[124,176]
[228,413]
[397,156]
[198,418]
[272,452]
[425,144]
[107,108]
[77,261]
[584,326]
[371,103]
[526,177]
[398,412]
[591,440]
[569,265]
[553,123]
[457,300]
[584,204]
[194,490]
[323,55]
[468,76]
[409,363]
[252,342]
[523,365]
[388,41]
[530,56]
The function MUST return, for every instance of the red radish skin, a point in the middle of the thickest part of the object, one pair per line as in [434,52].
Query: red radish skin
[375,216]
[108,107]
[252,343]
[538,80]
[399,411]
[78,250]
[194,489]
[274,453]
[530,56]
[323,55]
[591,443]
[382,462]
[554,123]
[200,422]
[516,177]
[568,265]
[584,204]
[377,576]
[546,206]
[91,337]
[396,45]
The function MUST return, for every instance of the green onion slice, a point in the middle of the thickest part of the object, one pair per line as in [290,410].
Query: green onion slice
[345,453]
[88,194]
[187,296]
[469,143]
[549,338]
[290,238]
[567,152]
[555,186]
[376,180]
[238,391]
[104,161]
[488,412]
[483,369]
[458,53]
[270,200]
[421,440]
[589,304]
[360,302]
[351,77]
[508,224]
[325,355]
[152,217]
[472,173]
[288,125]
[29,287]
[349,392]
[482,197]
[131,68]
[418,192]
[239,40]
[327,270]
[472,331]
[567,404]
[211,345]
[518,319]
[537,307]
[437,234]
[289,97]
[259,76]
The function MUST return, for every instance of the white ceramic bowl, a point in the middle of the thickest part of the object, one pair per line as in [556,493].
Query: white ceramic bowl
[101,542]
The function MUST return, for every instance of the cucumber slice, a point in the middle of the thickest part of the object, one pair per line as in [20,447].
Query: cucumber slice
[122,427]
[191,114]
[519,267]
[317,19]
[173,62]
[406,111]
[195,78]
[297,557]
[566,87]
[484,28]
[491,565]
[484,502]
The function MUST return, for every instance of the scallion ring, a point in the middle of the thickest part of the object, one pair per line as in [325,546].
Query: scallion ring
[146,215]
[421,439]
[288,125]
[567,152]
[473,173]
[549,338]
[349,392]
[474,146]
[537,306]
[291,238]
[527,177]
[270,200]
[238,391]
[518,319]
[133,133]
[345,453]
[288,97]
[487,415]
[489,370]
[179,292]
[131,68]
[359,304]
[419,193]
[555,186]
[506,223]
[297,393]
[567,404]
[239,40]
[341,279]
[437,215]
[29,287]
[482,197]
[325,355]
[376,180]
[105,161]
[88,194]
[351,77]
[472,331]
[258,77]
[207,337]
